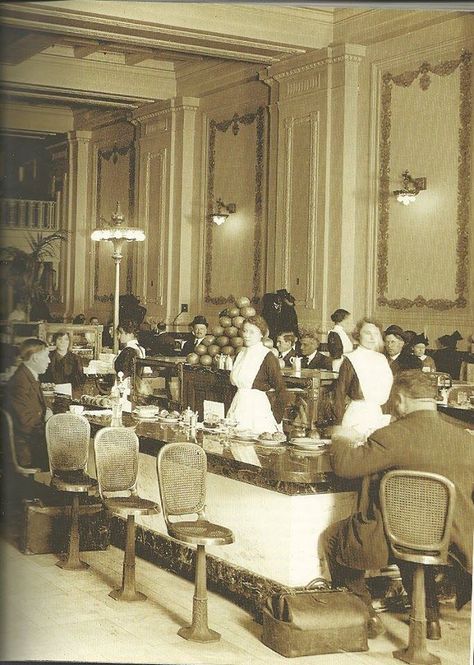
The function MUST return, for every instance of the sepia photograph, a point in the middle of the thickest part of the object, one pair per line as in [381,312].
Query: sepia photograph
[237,332]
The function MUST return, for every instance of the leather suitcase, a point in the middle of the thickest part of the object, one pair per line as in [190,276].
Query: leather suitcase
[315,621]
[45,529]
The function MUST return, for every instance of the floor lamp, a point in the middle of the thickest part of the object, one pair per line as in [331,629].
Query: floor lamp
[117,234]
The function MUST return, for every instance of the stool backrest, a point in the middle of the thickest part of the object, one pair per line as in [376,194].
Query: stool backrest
[67,438]
[8,439]
[417,509]
[116,459]
[181,469]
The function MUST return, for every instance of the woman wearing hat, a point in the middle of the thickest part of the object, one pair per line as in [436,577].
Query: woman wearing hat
[199,331]
[419,344]
[448,359]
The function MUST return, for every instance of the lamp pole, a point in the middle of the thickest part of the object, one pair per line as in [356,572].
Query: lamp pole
[117,235]
[117,257]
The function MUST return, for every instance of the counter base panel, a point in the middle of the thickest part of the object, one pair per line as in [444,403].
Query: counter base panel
[276,535]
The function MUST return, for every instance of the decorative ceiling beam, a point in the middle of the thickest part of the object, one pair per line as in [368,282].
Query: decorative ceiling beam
[86,49]
[27,46]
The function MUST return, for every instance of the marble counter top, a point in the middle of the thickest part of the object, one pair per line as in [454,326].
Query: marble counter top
[283,468]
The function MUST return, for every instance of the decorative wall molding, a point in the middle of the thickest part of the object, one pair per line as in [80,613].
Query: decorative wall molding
[290,123]
[305,85]
[113,154]
[157,232]
[324,62]
[223,126]
[405,79]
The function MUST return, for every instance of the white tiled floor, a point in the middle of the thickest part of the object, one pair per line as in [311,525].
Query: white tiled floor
[57,615]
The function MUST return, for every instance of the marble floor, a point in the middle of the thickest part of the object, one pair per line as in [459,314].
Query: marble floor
[56,615]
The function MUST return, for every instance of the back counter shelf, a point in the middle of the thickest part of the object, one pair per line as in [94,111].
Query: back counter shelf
[158,379]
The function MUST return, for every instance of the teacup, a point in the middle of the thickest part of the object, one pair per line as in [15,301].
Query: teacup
[76,409]
[296,362]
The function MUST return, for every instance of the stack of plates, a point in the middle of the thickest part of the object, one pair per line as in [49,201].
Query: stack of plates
[306,443]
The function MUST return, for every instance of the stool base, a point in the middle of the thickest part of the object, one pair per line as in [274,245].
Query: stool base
[409,655]
[65,564]
[195,635]
[124,595]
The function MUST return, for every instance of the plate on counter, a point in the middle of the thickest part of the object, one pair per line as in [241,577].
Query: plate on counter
[166,420]
[245,436]
[270,443]
[305,443]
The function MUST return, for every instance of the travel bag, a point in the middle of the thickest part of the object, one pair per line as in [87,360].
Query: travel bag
[315,620]
[45,529]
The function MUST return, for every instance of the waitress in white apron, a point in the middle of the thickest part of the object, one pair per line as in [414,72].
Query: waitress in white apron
[256,370]
[365,379]
[126,332]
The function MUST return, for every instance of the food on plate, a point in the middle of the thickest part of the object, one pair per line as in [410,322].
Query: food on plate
[272,436]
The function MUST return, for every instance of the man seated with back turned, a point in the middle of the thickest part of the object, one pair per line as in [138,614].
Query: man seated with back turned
[25,402]
[420,439]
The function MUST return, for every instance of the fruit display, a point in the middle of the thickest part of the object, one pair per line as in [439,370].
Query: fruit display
[225,338]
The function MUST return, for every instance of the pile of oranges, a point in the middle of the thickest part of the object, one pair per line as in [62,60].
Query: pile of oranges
[226,337]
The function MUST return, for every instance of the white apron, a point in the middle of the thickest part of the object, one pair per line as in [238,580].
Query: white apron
[251,407]
[375,378]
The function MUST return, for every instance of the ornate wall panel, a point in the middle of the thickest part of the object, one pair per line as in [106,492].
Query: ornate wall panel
[115,182]
[234,252]
[155,207]
[423,249]
[300,197]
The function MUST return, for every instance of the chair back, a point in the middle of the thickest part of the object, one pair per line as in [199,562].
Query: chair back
[8,438]
[181,469]
[116,459]
[417,509]
[67,439]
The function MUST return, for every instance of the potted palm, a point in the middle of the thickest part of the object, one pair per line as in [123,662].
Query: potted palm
[24,268]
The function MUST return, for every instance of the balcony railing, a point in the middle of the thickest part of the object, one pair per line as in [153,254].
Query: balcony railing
[26,214]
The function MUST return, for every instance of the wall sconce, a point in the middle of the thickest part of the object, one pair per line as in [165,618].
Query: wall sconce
[223,211]
[411,188]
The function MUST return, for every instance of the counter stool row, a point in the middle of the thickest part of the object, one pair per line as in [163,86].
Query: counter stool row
[181,470]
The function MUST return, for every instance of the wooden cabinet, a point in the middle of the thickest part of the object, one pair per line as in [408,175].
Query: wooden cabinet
[202,383]
[86,340]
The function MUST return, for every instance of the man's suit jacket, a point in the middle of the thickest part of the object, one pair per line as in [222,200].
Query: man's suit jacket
[189,345]
[422,441]
[320,361]
[26,404]
[291,354]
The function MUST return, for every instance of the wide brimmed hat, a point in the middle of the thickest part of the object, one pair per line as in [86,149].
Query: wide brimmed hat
[420,339]
[397,331]
[449,340]
[285,295]
[199,320]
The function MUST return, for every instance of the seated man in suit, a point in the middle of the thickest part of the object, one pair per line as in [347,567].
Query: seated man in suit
[286,347]
[199,331]
[26,404]
[312,358]
[420,439]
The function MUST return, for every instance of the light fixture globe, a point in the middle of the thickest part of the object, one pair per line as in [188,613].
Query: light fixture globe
[411,188]
[117,234]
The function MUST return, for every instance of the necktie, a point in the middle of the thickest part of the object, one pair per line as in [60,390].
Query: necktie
[304,361]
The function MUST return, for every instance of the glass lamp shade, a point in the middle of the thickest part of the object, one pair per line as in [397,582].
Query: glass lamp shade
[219,218]
[406,197]
[118,233]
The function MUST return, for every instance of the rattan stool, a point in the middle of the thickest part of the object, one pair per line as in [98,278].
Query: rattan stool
[182,469]
[116,458]
[67,438]
[417,509]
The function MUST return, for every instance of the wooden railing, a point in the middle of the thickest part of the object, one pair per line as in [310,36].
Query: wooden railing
[27,214]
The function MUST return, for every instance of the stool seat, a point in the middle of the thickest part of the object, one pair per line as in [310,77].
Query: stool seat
[201,532]
[131,505]
[82,484]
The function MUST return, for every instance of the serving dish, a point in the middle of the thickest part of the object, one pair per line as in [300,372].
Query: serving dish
[306,443]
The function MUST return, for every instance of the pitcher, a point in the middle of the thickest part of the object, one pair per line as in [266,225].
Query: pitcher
[296,362]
